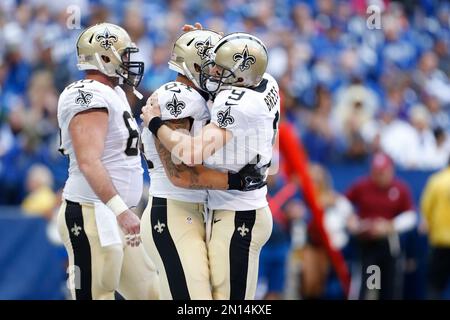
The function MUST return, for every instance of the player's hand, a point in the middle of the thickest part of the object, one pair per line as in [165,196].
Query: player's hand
[190,27]
[131,226]
[353,225]
[252,176]
[196,26]
[151,109]
[382,228]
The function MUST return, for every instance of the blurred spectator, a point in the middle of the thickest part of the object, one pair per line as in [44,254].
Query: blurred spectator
[40,200]
[435,207]
[441,48]
[135,26]
[439,116]
[432,80]
[316,267]
[320,138]
[423,150]
[442,151]
[158,72]
[384,209]
[356,106]
[21,155]
[398,51]
[317,50]
[43,100]
[399,96]
[286,209]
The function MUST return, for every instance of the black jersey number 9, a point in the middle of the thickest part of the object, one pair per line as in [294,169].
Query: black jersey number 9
[275,126]
[133,138]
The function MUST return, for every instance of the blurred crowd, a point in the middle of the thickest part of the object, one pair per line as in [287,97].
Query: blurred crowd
[349,88]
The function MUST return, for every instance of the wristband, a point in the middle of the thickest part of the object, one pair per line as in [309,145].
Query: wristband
[117,205]
[234,181]
[154,125]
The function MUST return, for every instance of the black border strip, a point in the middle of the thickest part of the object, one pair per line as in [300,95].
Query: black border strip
[239,253]
[81,251]
[167,250]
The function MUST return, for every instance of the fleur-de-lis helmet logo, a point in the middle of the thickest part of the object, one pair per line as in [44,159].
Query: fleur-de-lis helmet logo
[224,118]
[203,48]
[106,39]
[175,107]
[246,57]
[83,98]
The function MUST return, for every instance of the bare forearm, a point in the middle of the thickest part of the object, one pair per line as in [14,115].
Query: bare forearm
[179,144]
[206,178]
[193,150]
[99,180]
[197,177]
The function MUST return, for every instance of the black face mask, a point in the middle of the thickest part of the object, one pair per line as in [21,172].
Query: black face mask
[218,80]
[133,69]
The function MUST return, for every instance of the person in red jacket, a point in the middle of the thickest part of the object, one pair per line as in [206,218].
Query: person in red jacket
[384,208]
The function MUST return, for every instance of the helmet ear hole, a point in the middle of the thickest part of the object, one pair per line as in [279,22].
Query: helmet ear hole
[197,68]
[106,59]
[240,79]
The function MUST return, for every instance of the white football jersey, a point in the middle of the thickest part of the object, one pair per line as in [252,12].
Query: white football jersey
[177,101]
[252,116]
[121,156]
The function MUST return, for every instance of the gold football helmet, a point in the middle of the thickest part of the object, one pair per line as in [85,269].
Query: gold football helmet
[107,48]
[190,51]
[238,59]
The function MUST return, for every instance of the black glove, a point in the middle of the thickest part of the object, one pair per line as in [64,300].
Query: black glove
[248,178]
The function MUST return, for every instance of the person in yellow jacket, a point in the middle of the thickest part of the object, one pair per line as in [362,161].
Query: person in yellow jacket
[40,200]
[435,205]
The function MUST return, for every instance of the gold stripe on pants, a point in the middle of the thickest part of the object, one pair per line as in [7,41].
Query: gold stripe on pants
[95,272]
[173,233]
[236,241]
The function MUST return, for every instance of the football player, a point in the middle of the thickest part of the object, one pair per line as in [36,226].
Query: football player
[99,134]
[244,122]
[173,227]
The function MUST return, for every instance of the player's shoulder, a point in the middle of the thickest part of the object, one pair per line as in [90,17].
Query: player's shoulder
[230,110]
[89,85]
[178,100]
[251,97]
[270,79]
[84,91]
[267,83]
[229,99]
[180,90]
[82,95]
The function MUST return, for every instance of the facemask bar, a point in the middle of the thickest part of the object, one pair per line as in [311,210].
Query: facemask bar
[213,83]
[131,71]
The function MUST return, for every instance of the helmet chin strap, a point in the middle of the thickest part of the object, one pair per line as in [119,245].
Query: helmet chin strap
[121,80]
[236,66]
[102,68]
[189,75]
[137,93]
[100,63]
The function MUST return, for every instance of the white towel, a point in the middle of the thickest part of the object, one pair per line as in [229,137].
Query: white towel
[108,229]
